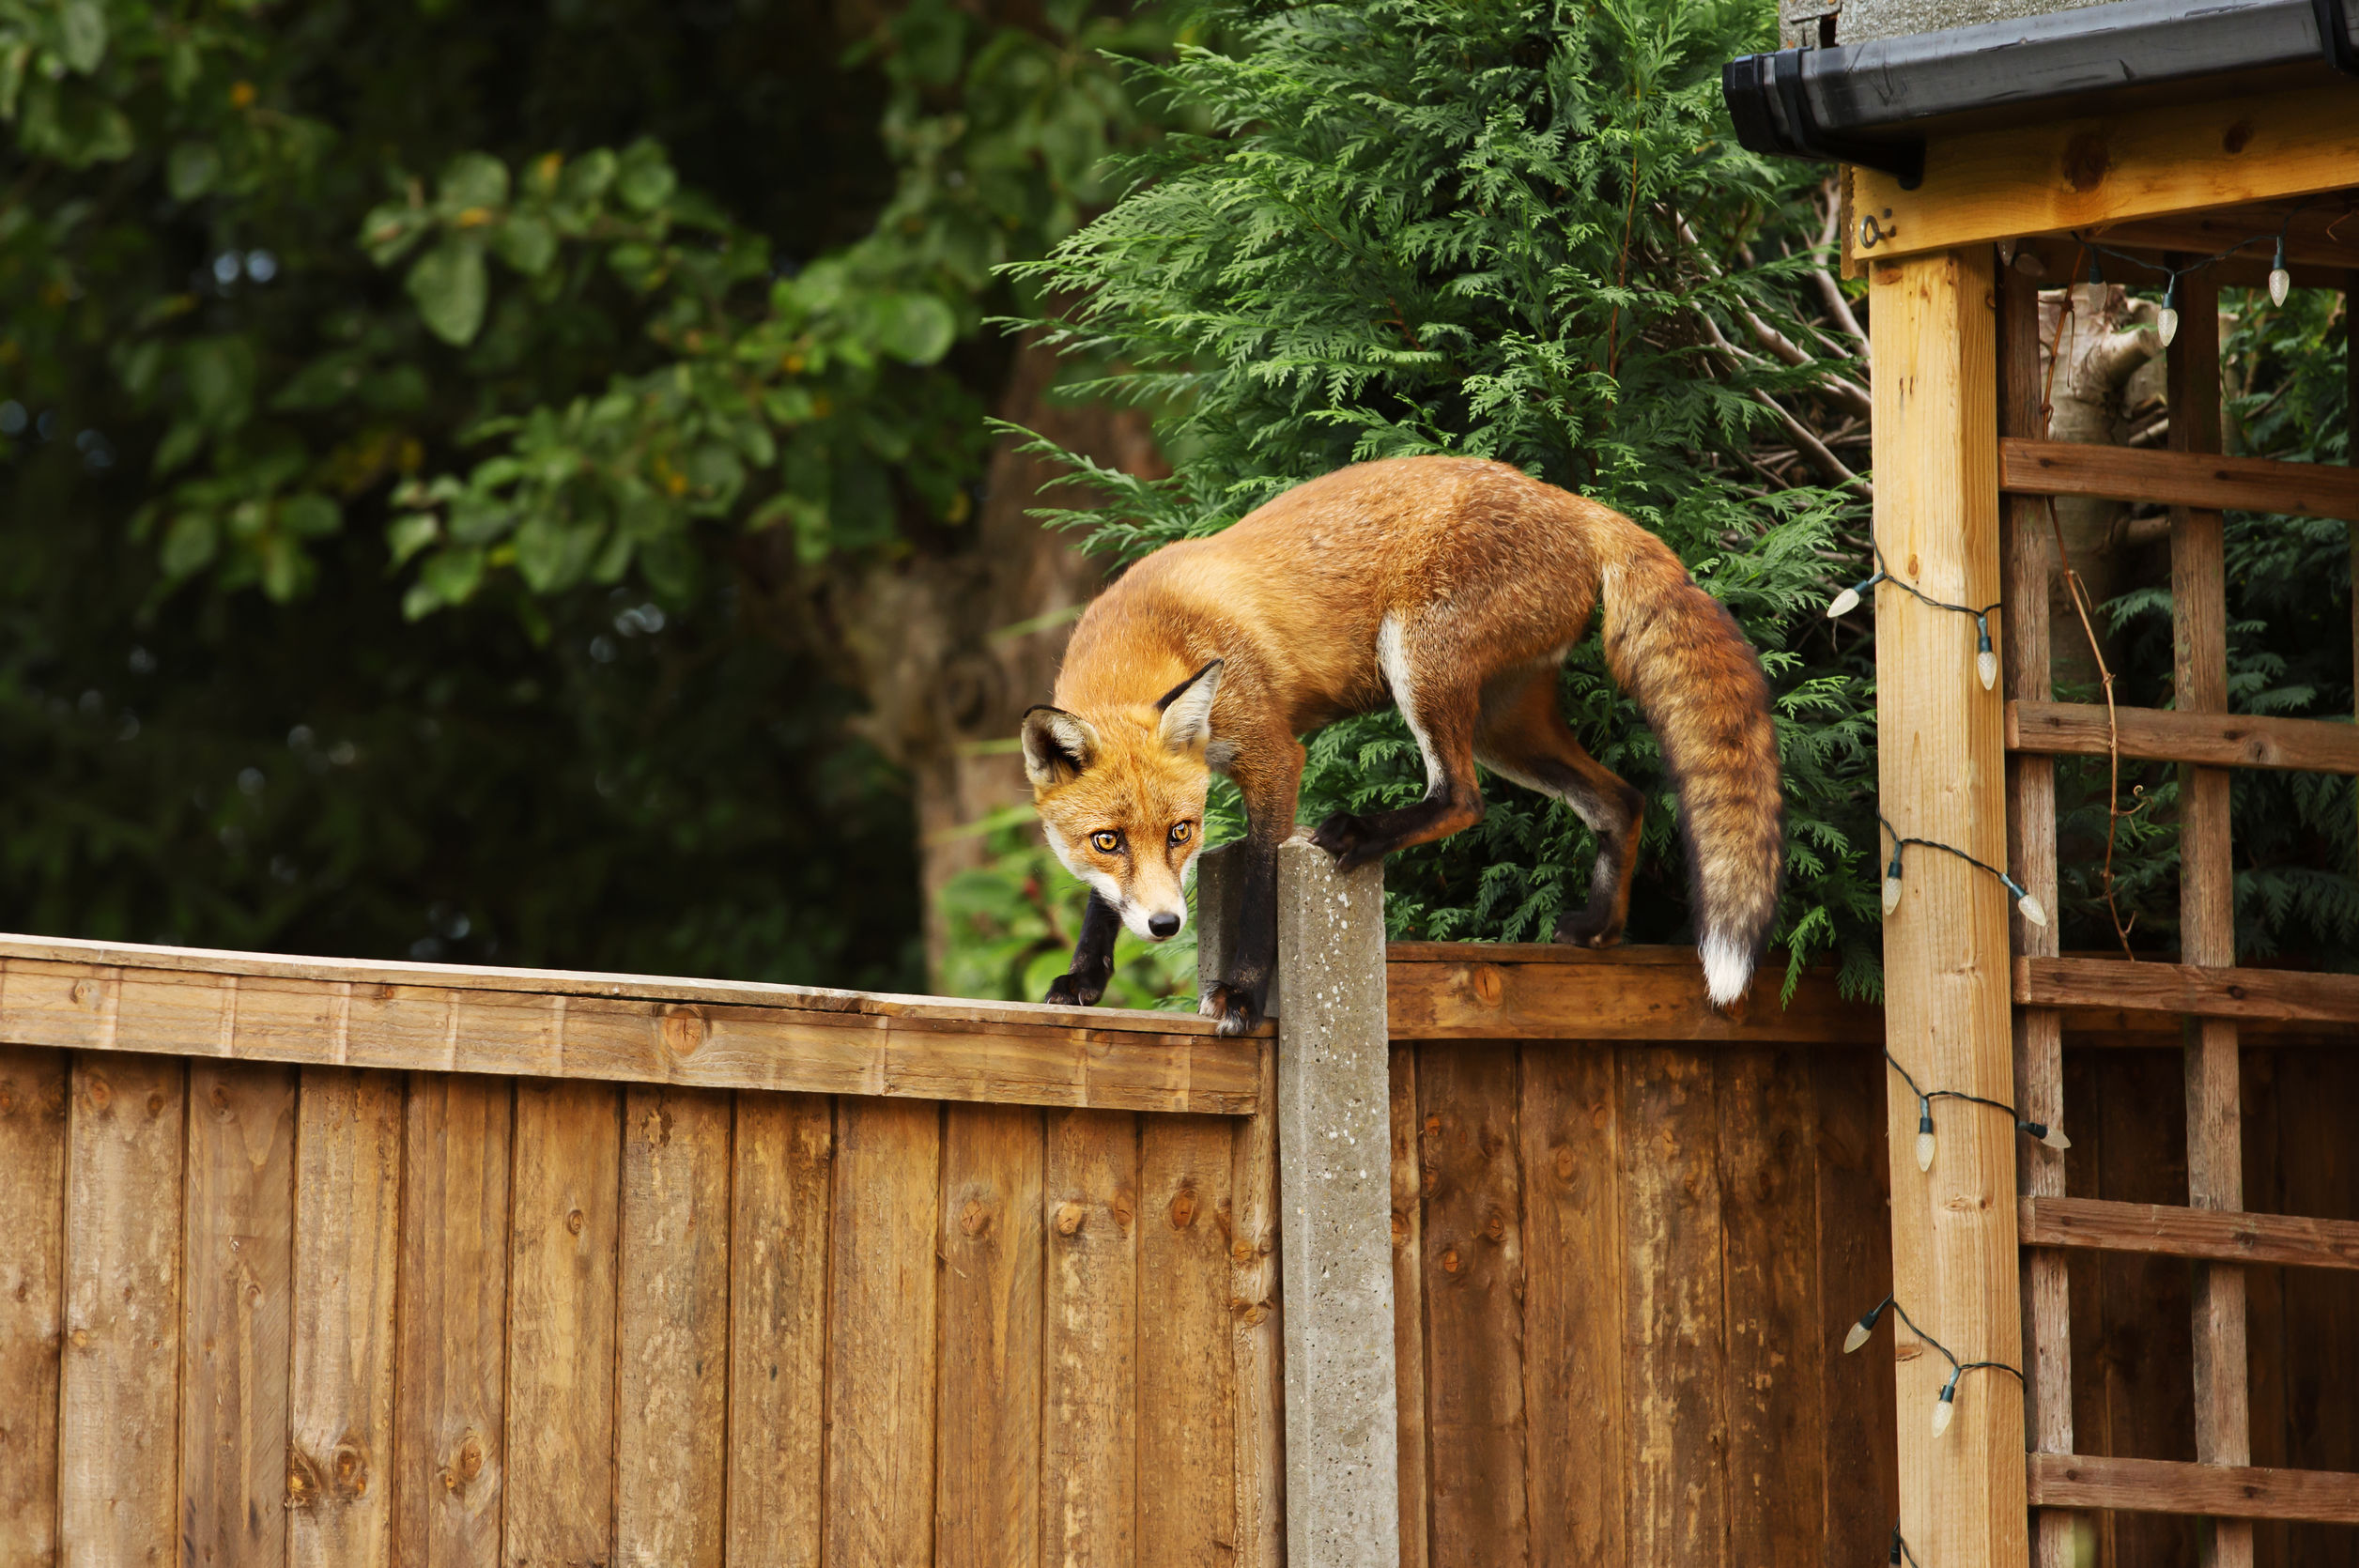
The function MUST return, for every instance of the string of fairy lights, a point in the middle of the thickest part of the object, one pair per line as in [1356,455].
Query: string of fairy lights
[1986,671]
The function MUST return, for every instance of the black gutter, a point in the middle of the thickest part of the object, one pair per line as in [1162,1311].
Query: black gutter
[1873,104]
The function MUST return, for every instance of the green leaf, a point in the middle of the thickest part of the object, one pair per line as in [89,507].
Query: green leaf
[405,535]
[190,544]
[915,329]
[453,575]
[284,568]
[525,243]
[645,178]
[473,179]
[310,516]
[586,178]
[449,285]
[81,35]
[554,555]
[218,373]
[180,443]
[191,170]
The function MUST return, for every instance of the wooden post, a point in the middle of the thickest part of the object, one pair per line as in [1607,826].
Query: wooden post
[2028,569]
[1946,963]
[2207,910]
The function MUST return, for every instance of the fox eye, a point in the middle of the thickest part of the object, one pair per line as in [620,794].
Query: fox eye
[1182,832]
[1106,840]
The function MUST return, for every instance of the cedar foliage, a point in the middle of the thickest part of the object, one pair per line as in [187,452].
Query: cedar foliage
[1519,230]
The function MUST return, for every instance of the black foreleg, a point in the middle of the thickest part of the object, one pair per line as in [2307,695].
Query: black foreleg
[1239,1001]
[1093,958]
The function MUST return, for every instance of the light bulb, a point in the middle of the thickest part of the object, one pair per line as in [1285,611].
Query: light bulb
[1924,1134]
[1946,1407]
[1865,1326]
[2281,281]
[1986,665]
[2166,324]
[1844,604]
[1892,882]
[2051,1136]
[2031,910]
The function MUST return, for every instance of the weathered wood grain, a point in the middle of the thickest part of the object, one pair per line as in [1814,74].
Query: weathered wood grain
[1780,1466]
[1854,1247]
[1455,991]
[422,1018]
[1255,1329]
[32,1300]
[238,1286]
[1089,1459]
[118,1397]
[1186,1447]
[1670,1201]
[2180,477]
[672,1329]
[2320,1311]
[347,1261]
[2160,735]
[1475,1283]
[558,1492]
[2175,1486]
[450,1439]
[988,1497]
[2202,991]
[881,1366]
[1569,1120]
[2200,1233]
[1409,1308]
[786,1152]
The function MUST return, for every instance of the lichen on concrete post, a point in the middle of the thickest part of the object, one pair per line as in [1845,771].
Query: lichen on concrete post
[1334,1183]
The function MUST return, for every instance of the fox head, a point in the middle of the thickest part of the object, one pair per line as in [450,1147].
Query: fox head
[1120,795]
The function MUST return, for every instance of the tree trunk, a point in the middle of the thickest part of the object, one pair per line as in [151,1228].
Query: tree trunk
[951,645]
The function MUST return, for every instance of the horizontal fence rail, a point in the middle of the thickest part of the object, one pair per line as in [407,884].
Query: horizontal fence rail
[182,1002]
[2207,740]
[2195,479]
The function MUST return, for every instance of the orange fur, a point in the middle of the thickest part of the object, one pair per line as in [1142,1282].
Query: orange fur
[1453,587]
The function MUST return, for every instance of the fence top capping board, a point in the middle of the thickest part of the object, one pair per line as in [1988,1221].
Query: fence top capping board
[1546,990]
[110,996]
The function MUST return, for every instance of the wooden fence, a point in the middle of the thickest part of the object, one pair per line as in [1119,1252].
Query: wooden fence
[320,1263]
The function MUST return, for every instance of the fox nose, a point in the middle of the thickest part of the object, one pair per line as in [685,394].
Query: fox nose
[1163,925]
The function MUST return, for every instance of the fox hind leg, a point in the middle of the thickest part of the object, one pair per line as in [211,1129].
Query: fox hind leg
[1442,714]
[1523,737]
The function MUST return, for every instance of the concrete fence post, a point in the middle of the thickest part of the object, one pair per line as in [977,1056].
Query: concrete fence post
[1335,1203]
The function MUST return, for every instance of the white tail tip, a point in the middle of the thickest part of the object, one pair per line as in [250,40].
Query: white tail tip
[1728,969]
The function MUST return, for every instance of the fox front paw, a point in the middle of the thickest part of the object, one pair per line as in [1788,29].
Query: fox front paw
[1074,991]
[1346,837]
[1237,1006]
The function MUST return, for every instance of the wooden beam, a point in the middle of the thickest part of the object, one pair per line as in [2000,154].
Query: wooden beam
[2318,233]
[2178,478]
[2160,735]
[1472,991]
[1942,778]
[2282,995]
[2057,176]
[997,1056]
[2175,1486]
[2101,1225]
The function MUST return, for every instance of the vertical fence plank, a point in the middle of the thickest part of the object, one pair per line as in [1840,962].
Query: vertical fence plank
[118,1398]
[1573,1304]
[1256,1342]
[778,1260]
[348,1218]
[988,1505]
[2322,1328]
[881,1367]
[1777,1470]
[1089,1466]
[32,1271]
[1187,1490]
[560,1490]
[1475,1286]
[238,1290]
[1671,1216]
[1408,1310]
[2264,1293]
[670,1423]
[1861,1497]
[450,1439]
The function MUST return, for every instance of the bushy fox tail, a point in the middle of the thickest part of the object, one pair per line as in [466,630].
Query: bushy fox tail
[1681,656]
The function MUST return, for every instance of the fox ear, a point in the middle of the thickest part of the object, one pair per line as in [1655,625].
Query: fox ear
[1058,745]
[1187,709]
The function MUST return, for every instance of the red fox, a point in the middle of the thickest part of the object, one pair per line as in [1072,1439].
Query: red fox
[1452,587]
